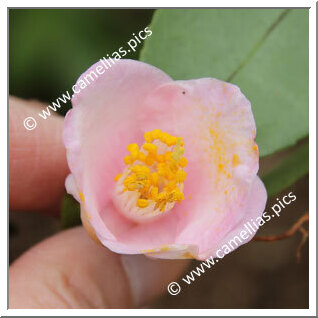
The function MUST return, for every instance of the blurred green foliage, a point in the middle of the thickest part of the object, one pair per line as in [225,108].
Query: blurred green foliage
[49,49]
[289,171]
[70,212]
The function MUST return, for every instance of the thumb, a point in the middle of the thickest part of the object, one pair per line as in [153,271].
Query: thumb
[69,270]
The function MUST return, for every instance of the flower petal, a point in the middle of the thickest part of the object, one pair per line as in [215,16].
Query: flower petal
[216,123]
[104,119]
[253,209]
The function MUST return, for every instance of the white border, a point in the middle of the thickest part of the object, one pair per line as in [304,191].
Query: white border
[162,3]
[312,161]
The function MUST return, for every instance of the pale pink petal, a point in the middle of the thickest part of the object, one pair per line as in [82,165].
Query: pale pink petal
[71,187]
[105,118]
[253,209]
[216,122]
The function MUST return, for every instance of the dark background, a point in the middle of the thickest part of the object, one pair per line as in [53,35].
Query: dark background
[48,50]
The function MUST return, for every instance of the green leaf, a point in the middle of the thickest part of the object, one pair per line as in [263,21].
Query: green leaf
[288,171]
[275,80]
[70,215]
[263,51]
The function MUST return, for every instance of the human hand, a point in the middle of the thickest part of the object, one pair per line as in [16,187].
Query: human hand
[68,270]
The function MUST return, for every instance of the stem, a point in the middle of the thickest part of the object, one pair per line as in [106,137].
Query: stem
[298,226]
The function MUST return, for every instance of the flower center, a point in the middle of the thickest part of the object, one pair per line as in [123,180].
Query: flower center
[152,181]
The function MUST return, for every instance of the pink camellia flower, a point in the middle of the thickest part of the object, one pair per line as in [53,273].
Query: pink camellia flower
[161,167]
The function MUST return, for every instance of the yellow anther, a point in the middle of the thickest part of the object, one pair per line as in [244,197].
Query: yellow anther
[134,151]
[151,148]
[132,147]
[154,193]
[127,160]
[162,195]
[156,133]
[161,169]
[142,203]
[140,168]
[167,155]
[183,162]
[181,176]
[141,176]
[164,137]
[178,196]
[154,178]
[170,186]
[148,136]
[149,160]
[156,172]
[171,141]
[129,180]
[141,156]
[118,176]
[160,158]
[134,155]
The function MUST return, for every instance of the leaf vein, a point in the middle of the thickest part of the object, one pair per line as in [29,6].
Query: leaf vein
[259,44]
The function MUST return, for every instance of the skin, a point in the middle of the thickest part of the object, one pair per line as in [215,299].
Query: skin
[54,273]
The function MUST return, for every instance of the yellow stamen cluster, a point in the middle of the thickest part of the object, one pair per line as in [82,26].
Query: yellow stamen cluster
[157,175]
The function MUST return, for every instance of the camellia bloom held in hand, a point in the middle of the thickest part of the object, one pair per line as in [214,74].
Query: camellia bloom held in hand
[161,167]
